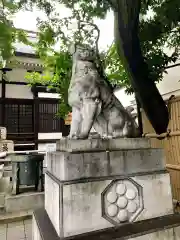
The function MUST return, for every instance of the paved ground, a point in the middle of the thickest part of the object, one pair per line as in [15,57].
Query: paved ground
[16,231]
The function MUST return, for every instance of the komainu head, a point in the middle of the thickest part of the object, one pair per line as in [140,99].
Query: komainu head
[83,52]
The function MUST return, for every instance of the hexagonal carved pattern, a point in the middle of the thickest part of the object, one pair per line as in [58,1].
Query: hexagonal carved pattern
[122,201]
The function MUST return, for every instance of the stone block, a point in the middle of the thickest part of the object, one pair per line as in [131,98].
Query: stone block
[24,202]
[70,145]
[3,133]
[3,231]
[78,207]
[15,231]
[35,231]
[70,166]
[2,199]
[52,201]
[5,184]
[162,228]
[6,146]
[177,232]
[157,195]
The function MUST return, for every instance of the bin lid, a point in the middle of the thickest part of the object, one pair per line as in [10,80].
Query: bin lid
[24,157]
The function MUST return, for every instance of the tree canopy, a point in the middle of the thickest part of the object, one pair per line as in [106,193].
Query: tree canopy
[9,34]
[158,32]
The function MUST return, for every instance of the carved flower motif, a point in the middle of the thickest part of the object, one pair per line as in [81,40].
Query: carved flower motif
[122,201]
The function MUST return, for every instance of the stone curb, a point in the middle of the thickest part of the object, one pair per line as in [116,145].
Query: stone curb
[15,217]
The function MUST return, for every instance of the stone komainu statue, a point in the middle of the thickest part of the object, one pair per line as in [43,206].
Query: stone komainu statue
[93,102]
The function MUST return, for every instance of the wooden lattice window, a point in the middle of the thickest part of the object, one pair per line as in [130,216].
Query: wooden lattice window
[48,119]
[25,118]
[19,117]
[11,118]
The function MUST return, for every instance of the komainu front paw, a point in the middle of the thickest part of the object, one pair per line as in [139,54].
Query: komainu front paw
[83,136]
[105,136]
[73,136]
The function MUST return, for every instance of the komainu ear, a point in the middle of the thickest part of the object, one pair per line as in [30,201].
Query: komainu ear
[130,109]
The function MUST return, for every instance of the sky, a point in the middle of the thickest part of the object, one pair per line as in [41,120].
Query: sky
[27,21]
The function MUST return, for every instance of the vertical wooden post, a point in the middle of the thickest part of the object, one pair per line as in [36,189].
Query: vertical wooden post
[36,116]
[3,95]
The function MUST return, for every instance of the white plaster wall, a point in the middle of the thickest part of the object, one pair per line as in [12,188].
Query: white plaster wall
[28,60]
[124,98]
[48,95]
[42,147]
[171,82]
[56,135]
[18,91]
[16,75]
[170,85]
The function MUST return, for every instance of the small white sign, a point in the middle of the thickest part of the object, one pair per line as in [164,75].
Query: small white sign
[51,147]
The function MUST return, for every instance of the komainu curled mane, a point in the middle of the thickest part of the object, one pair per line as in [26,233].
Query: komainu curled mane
[93,103]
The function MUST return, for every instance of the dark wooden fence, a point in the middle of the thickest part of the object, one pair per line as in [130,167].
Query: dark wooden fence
[23,123]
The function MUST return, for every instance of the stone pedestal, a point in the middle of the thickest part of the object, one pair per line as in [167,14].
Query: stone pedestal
[3,133]
[94,185]
[6,145]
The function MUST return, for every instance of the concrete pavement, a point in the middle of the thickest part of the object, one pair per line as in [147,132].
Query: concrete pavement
[21,230]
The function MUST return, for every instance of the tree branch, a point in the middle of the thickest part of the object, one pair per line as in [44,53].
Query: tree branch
[94,26]
[112,3]
[172,66]
[3,14]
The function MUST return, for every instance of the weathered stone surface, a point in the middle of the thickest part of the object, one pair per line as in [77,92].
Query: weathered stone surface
[5,184]
[82,210]
[177,233]
[93,101]
[125,195]
[2,199]
[25,201]
[72,145]
[157,195]
[164,228]
[76,196]
[81,207]
[52,202]
[3,133]
[69,166]
[166,234]
[35,230]
[15,230]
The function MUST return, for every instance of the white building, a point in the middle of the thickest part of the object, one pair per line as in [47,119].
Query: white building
[28,113]
[170,85]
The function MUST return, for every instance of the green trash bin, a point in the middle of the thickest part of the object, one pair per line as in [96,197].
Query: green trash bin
[27,170]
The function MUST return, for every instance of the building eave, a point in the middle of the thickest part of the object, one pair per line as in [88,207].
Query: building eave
[24,65]
[24,54]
